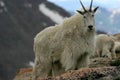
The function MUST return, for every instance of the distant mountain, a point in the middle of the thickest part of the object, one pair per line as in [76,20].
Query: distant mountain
[20,21]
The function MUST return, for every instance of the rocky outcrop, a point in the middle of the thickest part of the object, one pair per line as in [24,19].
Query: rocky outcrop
[101,69]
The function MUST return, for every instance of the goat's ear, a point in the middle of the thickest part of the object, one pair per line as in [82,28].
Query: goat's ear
[95,9]
[80,12]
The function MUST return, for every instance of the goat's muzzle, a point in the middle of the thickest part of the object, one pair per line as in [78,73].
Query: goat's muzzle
[90,27]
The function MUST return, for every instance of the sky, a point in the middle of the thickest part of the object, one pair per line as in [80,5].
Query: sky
[75,4]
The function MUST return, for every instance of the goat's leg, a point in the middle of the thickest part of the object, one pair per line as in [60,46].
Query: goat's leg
[42,68]
[83,61]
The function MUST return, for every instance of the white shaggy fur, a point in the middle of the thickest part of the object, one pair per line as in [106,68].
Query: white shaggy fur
[117,37]
[66,46]
[105,46]
[117,47]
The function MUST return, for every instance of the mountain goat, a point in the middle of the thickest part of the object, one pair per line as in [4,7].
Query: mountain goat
[66,46]
[105,46]
[117,47]
[117,37]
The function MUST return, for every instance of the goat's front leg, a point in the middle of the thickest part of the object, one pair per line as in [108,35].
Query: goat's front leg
[42,68]
[67,60]
[83,61]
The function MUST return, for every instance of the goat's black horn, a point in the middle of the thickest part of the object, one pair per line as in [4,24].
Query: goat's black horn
[82,6]
[91,5]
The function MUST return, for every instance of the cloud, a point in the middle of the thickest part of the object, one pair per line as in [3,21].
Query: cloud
[108,2]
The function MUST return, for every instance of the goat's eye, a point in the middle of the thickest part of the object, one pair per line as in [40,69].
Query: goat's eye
[84,16]
[92,15]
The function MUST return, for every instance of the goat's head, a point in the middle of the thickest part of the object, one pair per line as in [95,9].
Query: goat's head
[88,16]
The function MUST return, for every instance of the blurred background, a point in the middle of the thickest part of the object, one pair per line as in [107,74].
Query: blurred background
[21,20]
